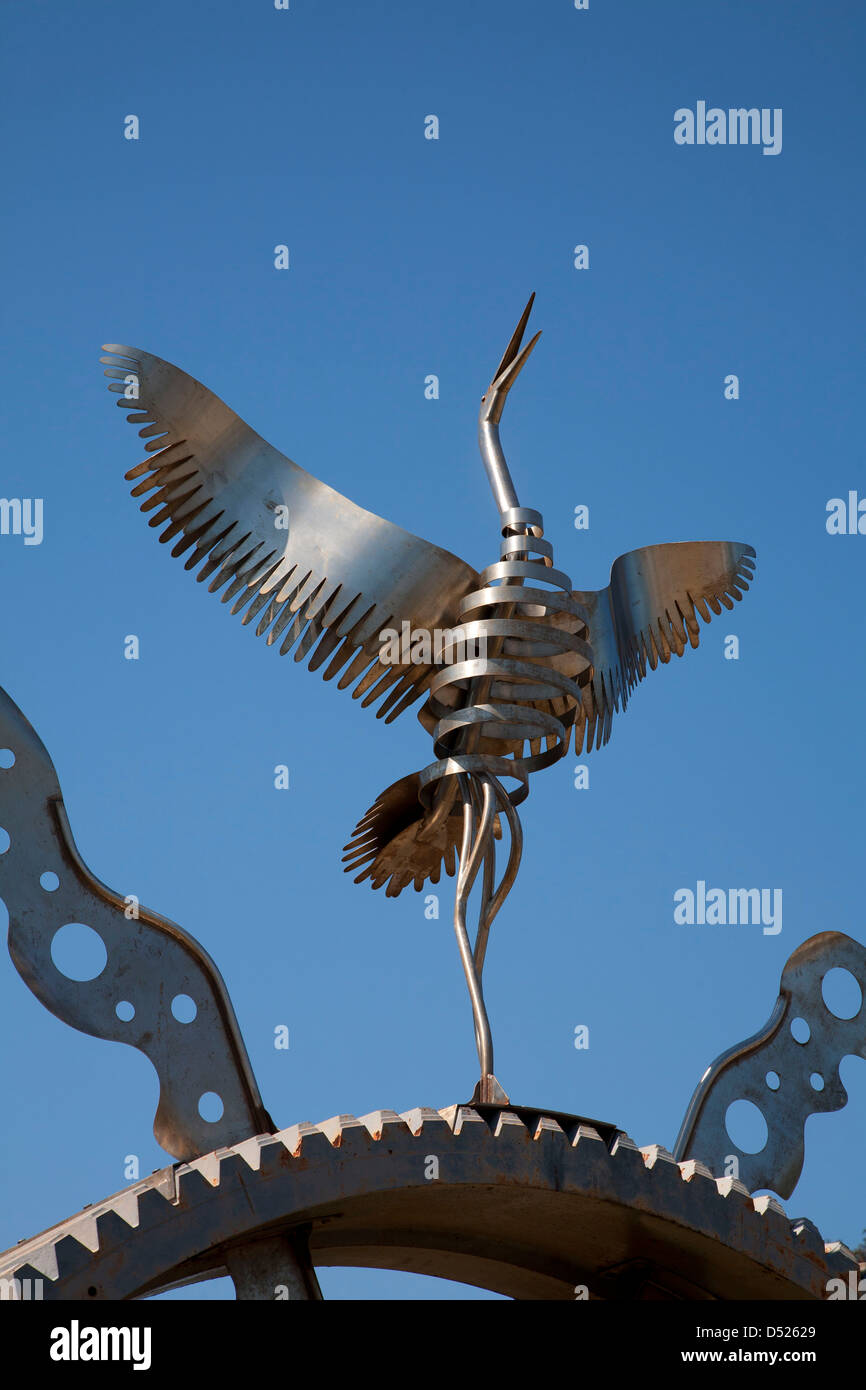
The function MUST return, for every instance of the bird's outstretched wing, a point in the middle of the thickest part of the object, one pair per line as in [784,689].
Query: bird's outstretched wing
[321,574]
[650,609]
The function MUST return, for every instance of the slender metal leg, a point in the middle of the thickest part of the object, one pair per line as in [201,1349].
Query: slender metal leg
[274,1269]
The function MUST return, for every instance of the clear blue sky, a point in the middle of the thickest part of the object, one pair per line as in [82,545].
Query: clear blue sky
[411,257]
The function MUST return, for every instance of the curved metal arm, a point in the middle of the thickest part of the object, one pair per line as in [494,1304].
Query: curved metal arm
[150,961]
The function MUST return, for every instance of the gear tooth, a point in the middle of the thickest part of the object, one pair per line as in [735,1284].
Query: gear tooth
[154,1207]
[112,1231]
[839,1258]
[464,1116]
[656,1154]
[507,1120]
[192,1186]
[72,1256]
[232,1167]
[337,1126]
[426,1122]
[314,1143]
[693,1168]
[291,1138]
[626,1154]
[255,1151]
[384,1124]
[208,1165]
[545,1124]
[666,1177]
[774,1217]
[731,1189]
[807,1237]
[768,1204]
[583,1135]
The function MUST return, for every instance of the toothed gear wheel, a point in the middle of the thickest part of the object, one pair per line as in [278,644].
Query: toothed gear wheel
[517,1201]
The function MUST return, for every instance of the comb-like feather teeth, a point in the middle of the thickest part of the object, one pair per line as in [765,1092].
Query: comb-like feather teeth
[304,599]
[405,683]
[323,600]
[360,839]
[222,576]
[221,555]
[181,522]
[379,688]
[305,593]
[153,465]
[341,657]
[165,492]
[202,550]
[280,573]
[215,562]
[171,507]
[356,860]
[255,607]
[360,662]
[192,535]
[291,587]
[282,577]
[259,576]
[370,678]
[364,837]
[262,569]
[409,699]
[151,430]
[238,584]
[267,618]
[116,372]
[164,440]
[146,466]
[338,616]
[245,597]
[329,641]
[144,487]
[312,634]
[285,617]
[160,517]
[293,633]
[247,574]
[234,564]
[159,478]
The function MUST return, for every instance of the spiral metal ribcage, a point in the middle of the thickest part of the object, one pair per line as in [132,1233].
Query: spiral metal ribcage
[504,710]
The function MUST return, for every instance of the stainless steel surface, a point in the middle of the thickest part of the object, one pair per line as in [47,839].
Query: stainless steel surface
[150,960]
[742,1072]
[553,658]
[501,714]
[329,584]
[650,610]
[524,1203]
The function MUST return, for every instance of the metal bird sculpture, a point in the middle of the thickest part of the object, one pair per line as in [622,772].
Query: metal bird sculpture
[511,660]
